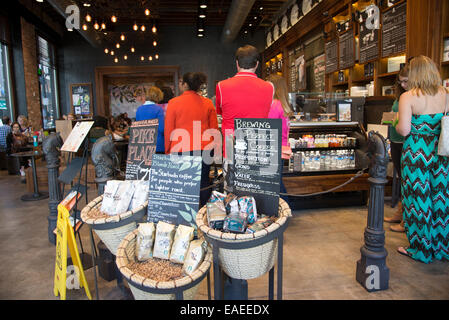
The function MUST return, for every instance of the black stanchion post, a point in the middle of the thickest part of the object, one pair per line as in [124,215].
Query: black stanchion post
[50,147]
[372,272]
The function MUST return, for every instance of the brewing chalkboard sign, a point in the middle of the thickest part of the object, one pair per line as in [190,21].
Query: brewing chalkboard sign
[174,190]
[257,162]
[346,47]
[142,146]
[368,43]
[394,30]
[331,52]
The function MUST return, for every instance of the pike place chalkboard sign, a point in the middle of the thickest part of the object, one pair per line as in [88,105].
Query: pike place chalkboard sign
[142,146]
[174,190]
[257,162]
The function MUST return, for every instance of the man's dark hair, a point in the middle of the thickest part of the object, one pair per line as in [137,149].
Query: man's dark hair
[194,80]
[168,94]
[5,120]
[100,121]
[247,57]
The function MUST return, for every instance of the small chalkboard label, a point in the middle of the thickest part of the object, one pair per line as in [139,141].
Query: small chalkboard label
[174,190]
[142,146]
[257,162]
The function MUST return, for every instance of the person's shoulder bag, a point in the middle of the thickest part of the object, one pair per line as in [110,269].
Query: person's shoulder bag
[443,144]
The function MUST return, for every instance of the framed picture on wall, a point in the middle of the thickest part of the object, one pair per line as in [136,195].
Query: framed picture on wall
[344,111]
[81,99]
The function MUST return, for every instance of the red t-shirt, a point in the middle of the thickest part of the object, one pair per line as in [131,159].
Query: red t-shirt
[182,112]
[242,96]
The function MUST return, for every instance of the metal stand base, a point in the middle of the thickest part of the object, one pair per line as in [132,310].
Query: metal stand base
[235,289]
[34,196]
[86,260]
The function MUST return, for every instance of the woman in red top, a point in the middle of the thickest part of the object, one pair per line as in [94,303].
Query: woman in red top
[191,126]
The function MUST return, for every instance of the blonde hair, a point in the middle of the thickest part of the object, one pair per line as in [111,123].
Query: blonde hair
[424,77]
[281,93]
[154,94]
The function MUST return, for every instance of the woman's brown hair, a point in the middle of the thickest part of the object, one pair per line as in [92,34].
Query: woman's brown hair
[403,73]
[281,93]
[424,77]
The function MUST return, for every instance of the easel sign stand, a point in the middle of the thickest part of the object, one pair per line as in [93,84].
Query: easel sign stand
[66,237]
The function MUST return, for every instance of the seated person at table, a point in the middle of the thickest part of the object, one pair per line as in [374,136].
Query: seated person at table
[24,125]
[99,128]
[150,110]
[120,129]
[16,141]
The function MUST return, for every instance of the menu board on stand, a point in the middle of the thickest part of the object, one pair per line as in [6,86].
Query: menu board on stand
[257,162]
[142,146]
[331,52]
[346,48]
[394,30]
[174,190]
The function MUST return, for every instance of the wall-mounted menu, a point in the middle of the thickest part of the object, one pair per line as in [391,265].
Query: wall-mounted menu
[394,30]
[174,190]
[257,162]
[368,43]
[331,52]
[318,73]
[141,147]
[346,46]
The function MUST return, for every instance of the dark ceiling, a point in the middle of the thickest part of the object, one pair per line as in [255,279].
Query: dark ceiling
[173,12]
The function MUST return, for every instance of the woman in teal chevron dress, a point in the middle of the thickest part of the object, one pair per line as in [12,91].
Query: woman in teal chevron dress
[425,180]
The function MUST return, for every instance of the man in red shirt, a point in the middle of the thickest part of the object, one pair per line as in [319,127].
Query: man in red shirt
[244,95]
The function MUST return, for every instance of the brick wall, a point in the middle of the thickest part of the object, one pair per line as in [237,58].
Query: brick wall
[30,74]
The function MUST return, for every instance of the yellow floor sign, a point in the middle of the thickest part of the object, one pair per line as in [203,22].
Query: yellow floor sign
[66,237]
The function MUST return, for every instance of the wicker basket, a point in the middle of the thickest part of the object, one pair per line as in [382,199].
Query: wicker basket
[248,263]
[113,229]
[146,289]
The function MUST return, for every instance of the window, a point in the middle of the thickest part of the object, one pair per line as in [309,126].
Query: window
[6,105]
[48,83]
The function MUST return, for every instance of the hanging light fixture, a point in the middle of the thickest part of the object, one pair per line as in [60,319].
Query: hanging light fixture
[106,50]
[142,28]
[114,18]
[117,45]
[84,27]
[156,56]
[154,43]
[116,60]
[147,12]
[154,30]
[103,26]
[112,52]
[132,49]
[200,35]
[125,57]
[122,37]
[203,4]
[142,58]
[96,25]
[150,58]
[88,18]
[135,27]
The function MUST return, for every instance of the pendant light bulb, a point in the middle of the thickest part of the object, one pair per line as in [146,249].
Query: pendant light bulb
[96,26]
[154,29]
[114,19]
[135,27]
[88,18]
[125,57]
[142,28]
[106,50]
[154,43]
[147,12]
[117,45]
[132,49]
[122,37]
[156,56]
[103,26]
[112,52]
[84,27]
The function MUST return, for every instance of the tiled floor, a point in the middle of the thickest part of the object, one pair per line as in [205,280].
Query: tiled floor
[321,249]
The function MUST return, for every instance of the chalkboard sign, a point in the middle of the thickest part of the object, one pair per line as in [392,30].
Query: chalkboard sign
[257,162]
[174,191]
[331,52]
[368,43]
[318,73]
[346,48]
[142,146]
[394,30]
[81,98]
